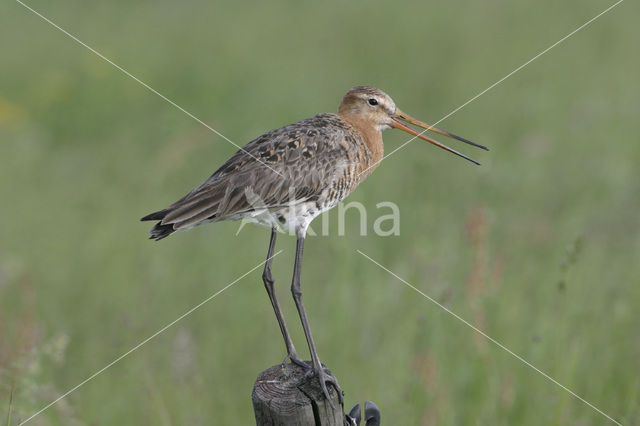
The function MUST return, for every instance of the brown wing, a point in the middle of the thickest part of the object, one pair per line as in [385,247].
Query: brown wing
[291,164]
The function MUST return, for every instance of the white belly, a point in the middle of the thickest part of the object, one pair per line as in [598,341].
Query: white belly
[293,219]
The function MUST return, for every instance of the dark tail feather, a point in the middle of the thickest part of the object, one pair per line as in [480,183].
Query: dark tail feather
[159,215]
[160,231]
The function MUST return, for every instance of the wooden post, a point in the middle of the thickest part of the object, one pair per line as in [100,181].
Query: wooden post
[282,395]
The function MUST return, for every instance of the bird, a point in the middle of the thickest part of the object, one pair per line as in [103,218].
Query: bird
[286,177]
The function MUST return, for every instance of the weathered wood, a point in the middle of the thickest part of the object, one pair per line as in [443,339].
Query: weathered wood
[282,395]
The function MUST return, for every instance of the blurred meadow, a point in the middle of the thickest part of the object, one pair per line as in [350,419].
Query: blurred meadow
[538,247]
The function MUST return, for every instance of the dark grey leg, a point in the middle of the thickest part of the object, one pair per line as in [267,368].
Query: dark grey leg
[267,277]
[296,290]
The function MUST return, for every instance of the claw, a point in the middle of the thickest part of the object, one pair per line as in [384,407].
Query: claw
[324,379]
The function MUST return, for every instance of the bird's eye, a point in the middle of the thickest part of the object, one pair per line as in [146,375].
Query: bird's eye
[373,101]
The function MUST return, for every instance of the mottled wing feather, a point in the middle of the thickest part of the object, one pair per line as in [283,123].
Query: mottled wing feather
[292,164]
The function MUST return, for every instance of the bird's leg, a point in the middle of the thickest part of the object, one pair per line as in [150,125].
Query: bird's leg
[267,278]
[296,290]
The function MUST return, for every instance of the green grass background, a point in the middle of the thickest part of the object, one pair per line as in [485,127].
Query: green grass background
[538,247]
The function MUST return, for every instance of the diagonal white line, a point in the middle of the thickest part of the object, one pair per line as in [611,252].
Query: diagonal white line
[145,85]
[146,340]
[497,82]
[491,339]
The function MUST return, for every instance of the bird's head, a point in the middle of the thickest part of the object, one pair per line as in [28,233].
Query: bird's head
[369,104]
[374,107]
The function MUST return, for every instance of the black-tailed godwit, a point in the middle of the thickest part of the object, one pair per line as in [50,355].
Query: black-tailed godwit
[288,176]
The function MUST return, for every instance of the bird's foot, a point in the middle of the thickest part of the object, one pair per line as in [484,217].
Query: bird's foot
[324,377]
[295,359]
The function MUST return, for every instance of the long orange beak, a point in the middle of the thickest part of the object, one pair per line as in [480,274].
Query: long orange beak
[397,124]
